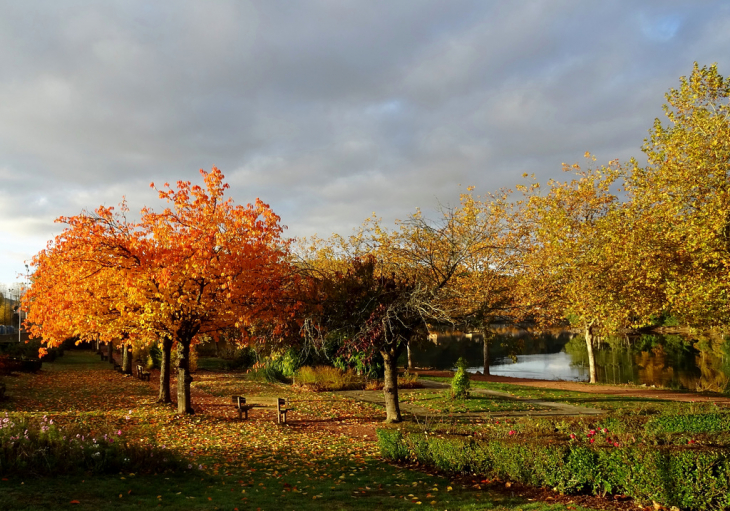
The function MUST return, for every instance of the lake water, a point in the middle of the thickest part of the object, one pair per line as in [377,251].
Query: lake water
[676,361]
[547,366]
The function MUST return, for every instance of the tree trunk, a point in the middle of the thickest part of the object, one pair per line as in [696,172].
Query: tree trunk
[485,340]
[127,359]
[410,360]
[183,377]
[390,387]
[591,358]
[164,396]
[110,352]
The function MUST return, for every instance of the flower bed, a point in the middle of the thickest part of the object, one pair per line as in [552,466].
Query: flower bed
[42,448]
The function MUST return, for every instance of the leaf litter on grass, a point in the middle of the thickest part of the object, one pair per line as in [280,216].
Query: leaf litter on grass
[315,458]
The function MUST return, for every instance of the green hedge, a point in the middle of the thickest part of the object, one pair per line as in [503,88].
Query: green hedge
[687,477]
[690,423]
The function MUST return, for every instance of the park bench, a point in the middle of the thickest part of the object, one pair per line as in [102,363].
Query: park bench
[278,404]
[142,374]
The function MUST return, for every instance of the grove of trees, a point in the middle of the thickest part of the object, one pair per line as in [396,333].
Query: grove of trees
[613,248]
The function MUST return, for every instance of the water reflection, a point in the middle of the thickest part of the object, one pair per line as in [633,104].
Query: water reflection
[695,363]
[551,366]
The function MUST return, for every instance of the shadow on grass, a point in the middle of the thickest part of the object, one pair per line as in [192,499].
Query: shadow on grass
[395,489]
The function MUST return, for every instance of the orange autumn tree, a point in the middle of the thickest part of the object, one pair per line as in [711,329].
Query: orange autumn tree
[220,266]
[200,266]
[83,283]
[80,281]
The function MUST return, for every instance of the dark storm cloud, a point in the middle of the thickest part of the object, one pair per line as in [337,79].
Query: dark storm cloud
[328,110]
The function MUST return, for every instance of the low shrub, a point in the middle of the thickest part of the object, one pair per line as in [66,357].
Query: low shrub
[405,381]
[288,362]
[392,445]
[231,359]
[460,383]
[154,357]
[409,381]
[16,364]
[263,371]
[241,358]
[29,350]
[8,365]
[689,423]
[687,477]
[41,448]
[327,378]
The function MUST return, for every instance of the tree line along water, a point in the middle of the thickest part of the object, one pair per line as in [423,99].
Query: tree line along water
[680,361]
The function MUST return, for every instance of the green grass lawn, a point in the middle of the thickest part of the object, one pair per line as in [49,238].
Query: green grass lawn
[392,490]
[211,364]
[440,401]
[319,459]
[624,404]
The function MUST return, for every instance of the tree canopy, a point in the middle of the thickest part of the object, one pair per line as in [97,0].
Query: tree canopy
[200,266]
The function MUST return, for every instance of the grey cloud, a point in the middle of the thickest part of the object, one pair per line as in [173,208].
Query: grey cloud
[328,110]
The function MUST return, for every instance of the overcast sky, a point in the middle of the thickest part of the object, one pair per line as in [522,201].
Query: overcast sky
[328,110]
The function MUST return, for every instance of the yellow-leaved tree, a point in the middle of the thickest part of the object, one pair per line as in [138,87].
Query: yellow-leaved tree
[681,199]
[580,257]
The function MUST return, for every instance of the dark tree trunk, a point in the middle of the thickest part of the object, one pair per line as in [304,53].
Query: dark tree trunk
[110,352]
[127,359]
[183,377]
[485,339]
[164,396]
[390,386]
[410,360]
[591,358]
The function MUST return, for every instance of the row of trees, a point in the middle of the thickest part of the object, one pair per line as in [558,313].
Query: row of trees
[613,248]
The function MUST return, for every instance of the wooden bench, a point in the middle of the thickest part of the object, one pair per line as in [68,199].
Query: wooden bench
[278,404]
[142,374]
[241,406]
